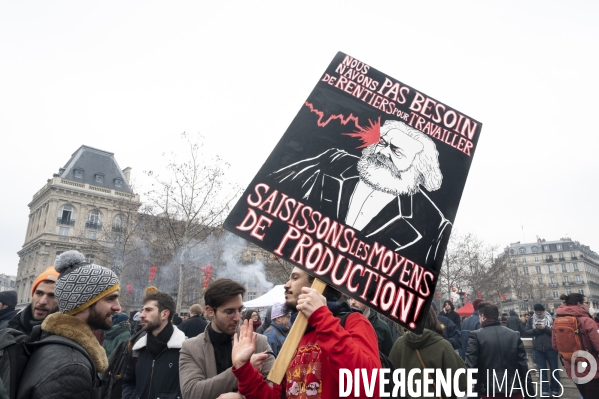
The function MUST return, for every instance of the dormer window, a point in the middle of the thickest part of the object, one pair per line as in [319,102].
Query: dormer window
[118,183]
[78,173]
[99,178]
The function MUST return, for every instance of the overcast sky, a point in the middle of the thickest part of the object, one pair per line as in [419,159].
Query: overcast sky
[130,76]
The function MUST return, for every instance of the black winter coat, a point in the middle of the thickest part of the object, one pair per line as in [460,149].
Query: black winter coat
[147,378]
[513,323]
[451,332]
[541,337]
[56,371]
[193,326]
[453,316]
[501,349]
[6,315]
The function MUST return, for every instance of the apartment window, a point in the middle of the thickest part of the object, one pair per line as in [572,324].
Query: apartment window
[568,291]
[511,251]
[538,269]
[540,280]
[525,270]
[78,173]
[91,235]
[548,258]
[581,291]
[66,215]
[559,247]
[573,254]
[536,259]
[575,266]
[251,295]
[64,231]
[561,256]
[523,261]
[550,268]
[535,249]
[89,258]
[546,248]
[118,183]
[522,250]
[117,224]
[99,178]
[578,279]
[553,280]
[564,268]
[513,260]
[555,294]
[566,280]
[94,220]
[59,252]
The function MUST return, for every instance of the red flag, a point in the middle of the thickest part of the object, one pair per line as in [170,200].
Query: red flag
[153,270]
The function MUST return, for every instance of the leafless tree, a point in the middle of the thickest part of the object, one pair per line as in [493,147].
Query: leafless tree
[192,201]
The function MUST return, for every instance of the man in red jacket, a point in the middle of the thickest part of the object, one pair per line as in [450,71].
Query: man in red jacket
[325,347]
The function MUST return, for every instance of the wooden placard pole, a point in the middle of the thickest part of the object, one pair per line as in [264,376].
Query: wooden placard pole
[279,368]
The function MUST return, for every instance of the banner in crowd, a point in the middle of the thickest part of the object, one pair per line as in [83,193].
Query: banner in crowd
[362,189]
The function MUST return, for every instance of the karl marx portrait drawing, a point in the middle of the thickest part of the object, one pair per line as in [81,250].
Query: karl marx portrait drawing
[382,193]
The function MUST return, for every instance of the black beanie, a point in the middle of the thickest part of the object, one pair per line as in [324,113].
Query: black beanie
[538,306]
[9,298]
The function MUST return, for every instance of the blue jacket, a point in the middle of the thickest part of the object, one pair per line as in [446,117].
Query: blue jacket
[275,335]
[472,323]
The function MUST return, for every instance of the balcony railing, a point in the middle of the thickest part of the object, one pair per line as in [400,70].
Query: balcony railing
[93,225]
[65,222]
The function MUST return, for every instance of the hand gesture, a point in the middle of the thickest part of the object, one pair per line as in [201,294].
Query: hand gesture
[258,359]
[244,346]
[310,300]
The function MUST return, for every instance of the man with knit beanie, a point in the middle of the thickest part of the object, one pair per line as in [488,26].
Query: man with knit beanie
[8,301]
[153,366]
[43,302]
[66,365]
[279,328]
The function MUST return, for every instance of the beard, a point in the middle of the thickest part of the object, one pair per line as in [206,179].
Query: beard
[379,173]
[151,325]
[99,321]
[289,306]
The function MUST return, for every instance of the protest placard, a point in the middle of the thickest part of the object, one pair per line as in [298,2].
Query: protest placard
[362,189]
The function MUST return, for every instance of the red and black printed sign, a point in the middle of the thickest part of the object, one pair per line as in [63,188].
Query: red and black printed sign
[362,189]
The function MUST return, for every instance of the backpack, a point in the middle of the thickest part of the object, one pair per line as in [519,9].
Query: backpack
[112,386]
[568,337]
[385,362]
[15,349]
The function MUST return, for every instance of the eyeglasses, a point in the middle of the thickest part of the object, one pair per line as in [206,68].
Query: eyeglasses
[230,313]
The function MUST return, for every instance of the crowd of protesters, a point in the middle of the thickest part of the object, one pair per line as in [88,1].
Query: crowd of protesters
[87,348]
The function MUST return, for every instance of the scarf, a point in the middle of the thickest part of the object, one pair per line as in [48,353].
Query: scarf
[545,319]
[157,344]
[490,322]
[257,324]
[223,346]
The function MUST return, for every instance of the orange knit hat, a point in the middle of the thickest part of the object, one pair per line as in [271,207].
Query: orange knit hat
[48,274]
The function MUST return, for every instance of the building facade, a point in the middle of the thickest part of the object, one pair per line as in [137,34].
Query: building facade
[81,207]
[552,268]
[7,283]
